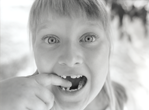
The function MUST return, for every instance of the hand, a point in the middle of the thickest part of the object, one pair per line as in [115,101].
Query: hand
[29,93]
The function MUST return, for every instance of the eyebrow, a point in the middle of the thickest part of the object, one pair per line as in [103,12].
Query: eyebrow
[41,28]
[92,24]
[99,25]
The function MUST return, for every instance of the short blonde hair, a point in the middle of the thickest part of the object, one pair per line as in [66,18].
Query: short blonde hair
[89,9]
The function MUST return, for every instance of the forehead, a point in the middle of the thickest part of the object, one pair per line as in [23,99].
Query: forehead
[65,21]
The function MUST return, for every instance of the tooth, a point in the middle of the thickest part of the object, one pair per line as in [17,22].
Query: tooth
[73,77]
[78,76]
[63,76]
[68,89]
[72,90]
[75,89]
[63,89]
[80,85]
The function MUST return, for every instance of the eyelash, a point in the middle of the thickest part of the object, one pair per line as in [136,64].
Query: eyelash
[86,38]
[53,38]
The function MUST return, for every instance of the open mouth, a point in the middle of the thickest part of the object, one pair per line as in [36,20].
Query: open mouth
[78,82]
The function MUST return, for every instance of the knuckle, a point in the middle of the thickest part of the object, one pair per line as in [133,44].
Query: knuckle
[31,82]
[51,100]
[50,105]
[49,95]
[26,82]
[51,76]
[41,106]
[36,104]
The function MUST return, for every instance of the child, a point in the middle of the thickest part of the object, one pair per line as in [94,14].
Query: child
[70,40]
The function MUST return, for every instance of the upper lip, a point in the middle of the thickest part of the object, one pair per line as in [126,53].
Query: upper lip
[70,75]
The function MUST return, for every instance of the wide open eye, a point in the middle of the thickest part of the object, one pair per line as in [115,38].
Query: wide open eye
[51,39]
[88,38]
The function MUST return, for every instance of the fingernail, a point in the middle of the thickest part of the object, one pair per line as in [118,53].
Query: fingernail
[69,84]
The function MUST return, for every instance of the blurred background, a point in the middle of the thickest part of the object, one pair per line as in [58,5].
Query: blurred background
[129,36]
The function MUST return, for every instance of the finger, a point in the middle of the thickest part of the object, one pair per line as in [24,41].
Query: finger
[45,95]
[35,103]
[51,79]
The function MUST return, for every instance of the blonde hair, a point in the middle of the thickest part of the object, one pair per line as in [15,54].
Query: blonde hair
[89,9]
[113,95]
[108,90]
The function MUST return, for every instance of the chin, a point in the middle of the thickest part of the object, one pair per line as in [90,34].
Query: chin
[70,103]
[72,107]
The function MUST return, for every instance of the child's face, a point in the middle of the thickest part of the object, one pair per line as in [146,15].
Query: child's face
[72,47]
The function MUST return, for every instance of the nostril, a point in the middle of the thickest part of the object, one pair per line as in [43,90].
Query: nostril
[62,63]
[70,61]
[69,64]
[77,63]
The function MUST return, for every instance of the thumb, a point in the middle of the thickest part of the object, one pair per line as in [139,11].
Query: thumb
[51,79]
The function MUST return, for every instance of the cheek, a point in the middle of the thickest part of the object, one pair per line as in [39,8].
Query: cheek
[98,61]
[99,71]
[45,59]
[97,57]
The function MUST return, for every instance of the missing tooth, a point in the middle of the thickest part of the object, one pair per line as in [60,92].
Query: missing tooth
[77,83]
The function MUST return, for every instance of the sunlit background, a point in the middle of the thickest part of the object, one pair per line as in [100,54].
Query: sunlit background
[130,46]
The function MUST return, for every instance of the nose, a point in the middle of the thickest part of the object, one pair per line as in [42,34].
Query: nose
[70,56]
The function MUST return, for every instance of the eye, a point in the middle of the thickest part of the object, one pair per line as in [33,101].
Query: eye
[51,39]
[88,38]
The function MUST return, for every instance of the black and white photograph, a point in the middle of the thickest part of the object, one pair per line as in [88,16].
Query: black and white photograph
[74,54]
